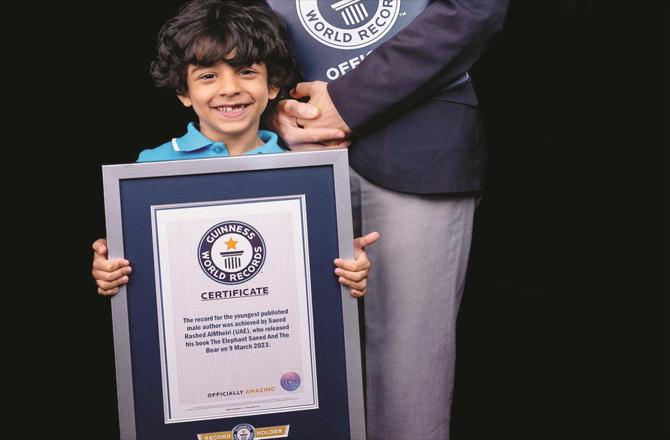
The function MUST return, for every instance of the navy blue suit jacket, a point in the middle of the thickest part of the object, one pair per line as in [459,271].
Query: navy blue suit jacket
[411,134]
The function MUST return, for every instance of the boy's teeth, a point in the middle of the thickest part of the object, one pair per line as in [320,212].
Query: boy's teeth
[230,108]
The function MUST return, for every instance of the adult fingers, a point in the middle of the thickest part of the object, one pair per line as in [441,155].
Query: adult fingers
[297,109]
[304,89]
[336,143]
[313,146]
[297,136]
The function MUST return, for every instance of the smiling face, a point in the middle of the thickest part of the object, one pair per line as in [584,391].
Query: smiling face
[229,102]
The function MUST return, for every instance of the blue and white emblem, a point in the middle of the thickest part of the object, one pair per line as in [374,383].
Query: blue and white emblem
[231,252]
[348,24]
[244,431]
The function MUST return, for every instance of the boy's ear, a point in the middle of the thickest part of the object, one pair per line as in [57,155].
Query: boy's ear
[273,91]
[185,100]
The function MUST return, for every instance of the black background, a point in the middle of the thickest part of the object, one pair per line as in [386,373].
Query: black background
[563,328]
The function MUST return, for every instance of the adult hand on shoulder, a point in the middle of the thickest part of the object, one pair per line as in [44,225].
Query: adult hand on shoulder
[317,91]
[284,121]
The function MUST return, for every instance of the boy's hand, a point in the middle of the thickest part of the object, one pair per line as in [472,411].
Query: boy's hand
[108,275]
[354,274]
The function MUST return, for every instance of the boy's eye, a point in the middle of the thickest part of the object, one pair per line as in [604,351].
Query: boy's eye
[248,72]
[207,76]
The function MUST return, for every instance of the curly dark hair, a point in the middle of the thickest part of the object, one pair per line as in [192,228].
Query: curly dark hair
[204,32]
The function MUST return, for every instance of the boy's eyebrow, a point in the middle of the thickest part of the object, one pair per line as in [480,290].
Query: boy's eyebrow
[193,68]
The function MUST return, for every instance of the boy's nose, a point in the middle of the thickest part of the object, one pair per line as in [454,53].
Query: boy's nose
[229,86]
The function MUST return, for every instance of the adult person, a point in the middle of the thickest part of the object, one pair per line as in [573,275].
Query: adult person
[416,156]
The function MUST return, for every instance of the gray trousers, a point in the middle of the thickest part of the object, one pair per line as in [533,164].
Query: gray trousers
[414,292]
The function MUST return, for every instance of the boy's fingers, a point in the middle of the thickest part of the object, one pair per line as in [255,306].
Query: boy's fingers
[100,246]
[352,275]
[111,276]
[108,285]
[353,265]
[366,240]
[109,292]
[352,284]
[103,264]
[358,293]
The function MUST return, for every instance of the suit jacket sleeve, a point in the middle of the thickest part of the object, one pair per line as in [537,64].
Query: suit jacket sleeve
[438,47]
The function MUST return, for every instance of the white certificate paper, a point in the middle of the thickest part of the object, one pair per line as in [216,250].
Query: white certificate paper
[234,308]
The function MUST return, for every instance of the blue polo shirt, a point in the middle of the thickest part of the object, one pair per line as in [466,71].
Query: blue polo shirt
[195,145]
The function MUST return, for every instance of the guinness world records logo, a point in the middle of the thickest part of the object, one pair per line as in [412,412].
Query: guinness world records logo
[244,431]
[347,24]
[231,252]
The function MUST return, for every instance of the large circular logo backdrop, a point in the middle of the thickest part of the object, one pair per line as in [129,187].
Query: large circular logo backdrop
[231,252]
[348,24]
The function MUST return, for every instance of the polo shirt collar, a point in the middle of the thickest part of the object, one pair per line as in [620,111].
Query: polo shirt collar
[270,144]
[195,140]
[192,140]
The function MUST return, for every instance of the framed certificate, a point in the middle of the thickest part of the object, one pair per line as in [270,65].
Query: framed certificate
[233,325]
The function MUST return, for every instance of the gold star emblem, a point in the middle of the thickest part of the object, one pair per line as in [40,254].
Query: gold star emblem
[232,244]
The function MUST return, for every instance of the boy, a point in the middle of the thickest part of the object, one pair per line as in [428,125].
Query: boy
[227,61]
